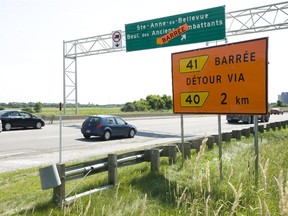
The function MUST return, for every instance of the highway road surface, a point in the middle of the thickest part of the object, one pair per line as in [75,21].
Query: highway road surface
[20,149]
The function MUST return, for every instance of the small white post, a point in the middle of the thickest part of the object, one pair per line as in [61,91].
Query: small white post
[60,132]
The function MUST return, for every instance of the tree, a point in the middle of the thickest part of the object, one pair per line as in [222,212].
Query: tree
[141,105]
[279,103]
[38,107]
[128,107]
[28,109]
[168,102]
[155,102]
[152,102]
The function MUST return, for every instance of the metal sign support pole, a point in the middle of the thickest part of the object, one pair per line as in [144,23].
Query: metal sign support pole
[256,148]
[220,146]
[64,79]
[182,138]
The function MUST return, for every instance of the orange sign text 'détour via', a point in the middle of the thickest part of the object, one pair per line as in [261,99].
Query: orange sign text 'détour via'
[225,79]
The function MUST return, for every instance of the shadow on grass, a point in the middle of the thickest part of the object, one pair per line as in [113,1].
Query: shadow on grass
[157,187]
[40,209]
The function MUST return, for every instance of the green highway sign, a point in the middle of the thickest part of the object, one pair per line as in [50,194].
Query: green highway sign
[187,28]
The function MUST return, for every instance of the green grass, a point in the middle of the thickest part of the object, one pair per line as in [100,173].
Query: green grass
[192,188]
[81,111]
[84,111]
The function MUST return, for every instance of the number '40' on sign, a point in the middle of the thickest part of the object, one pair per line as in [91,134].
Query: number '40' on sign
[193,64]
[193,99]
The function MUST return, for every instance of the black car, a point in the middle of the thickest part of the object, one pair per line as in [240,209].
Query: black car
[19,119]
[107,126]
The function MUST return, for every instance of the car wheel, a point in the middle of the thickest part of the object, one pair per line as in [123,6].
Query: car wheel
[38,125]
[131,133]
[107,135]
[87,136]
[7,126]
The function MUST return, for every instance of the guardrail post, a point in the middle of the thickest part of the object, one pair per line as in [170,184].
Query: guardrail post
[112,169]
[226,137]
[261,128]
[236,134]
[216,140]
[233,134]
[195,144]
[210,142]
[187,150]
[186,147]
[155,160]
[273,126]
[172,154]
[59,191]
[252,130]
[153,155]
[267,127]
[147,155]
[278,125]
[246,132]
[283,123]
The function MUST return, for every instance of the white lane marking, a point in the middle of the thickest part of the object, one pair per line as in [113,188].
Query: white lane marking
[11,154]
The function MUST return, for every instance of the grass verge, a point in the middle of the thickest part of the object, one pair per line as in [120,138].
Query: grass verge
[192,188]
[85,111]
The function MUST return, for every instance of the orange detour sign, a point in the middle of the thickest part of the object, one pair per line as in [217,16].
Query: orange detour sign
[175,33]
[226,79]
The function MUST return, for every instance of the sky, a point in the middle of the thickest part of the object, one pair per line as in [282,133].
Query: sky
[31,49]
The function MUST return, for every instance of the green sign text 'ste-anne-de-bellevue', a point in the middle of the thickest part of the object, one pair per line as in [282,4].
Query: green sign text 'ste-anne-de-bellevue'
[203,25]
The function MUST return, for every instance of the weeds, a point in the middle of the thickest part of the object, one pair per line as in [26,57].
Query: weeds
[283,194]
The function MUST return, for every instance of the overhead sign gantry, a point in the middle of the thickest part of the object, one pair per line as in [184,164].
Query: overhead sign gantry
[246,21]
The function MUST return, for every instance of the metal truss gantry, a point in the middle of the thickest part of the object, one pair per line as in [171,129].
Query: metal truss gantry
[253,20]
[258,19]
[80,48]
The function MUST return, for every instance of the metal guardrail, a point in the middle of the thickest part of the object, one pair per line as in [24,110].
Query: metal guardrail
[113,161]
[99,166]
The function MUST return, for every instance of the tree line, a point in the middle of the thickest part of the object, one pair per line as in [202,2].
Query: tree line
[152,102]
[29,107]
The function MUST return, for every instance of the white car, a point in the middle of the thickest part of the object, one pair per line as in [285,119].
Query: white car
[0,126]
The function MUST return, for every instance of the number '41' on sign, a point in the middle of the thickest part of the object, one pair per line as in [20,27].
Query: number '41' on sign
[193,64]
